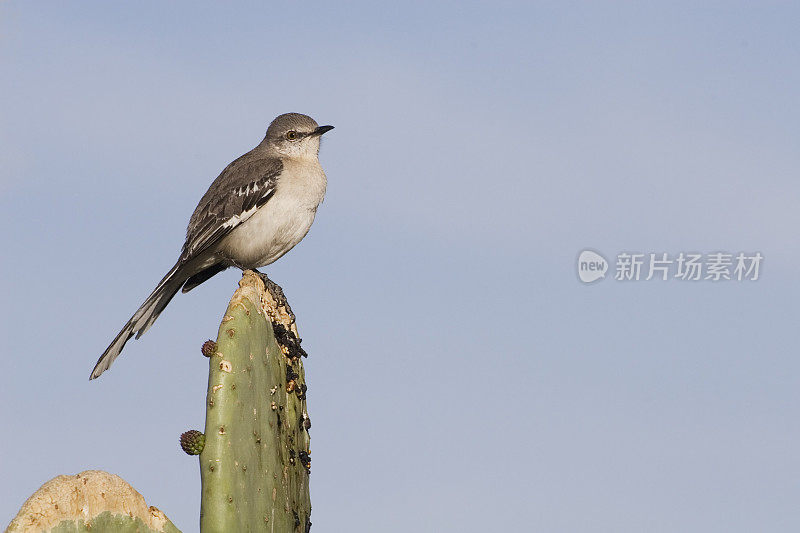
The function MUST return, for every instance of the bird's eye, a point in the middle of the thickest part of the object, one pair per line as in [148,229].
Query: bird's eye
[291,135]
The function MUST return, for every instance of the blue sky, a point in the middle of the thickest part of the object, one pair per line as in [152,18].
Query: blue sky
[461,377]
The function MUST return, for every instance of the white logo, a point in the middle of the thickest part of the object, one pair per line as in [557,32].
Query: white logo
[662,266]
[591,266]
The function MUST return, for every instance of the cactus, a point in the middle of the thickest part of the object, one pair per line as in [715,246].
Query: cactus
[254,455]
[255,461]
[90,501]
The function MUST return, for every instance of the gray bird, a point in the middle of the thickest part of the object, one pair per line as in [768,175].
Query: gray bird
[256,210]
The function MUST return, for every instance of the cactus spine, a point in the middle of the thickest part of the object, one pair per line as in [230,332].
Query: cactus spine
[255,461]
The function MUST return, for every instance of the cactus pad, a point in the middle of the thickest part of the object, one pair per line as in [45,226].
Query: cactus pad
[254,465]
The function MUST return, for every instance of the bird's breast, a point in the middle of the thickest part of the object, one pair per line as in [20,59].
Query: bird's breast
[279,224]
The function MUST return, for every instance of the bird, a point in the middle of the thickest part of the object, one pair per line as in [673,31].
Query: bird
[259,207]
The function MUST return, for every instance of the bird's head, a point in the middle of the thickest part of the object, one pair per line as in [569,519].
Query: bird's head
[294,135]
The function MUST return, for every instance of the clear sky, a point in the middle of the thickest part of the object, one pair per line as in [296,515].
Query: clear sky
[461,377]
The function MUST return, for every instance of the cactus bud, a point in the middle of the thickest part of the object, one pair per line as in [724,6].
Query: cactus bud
[193,441]
[209,347]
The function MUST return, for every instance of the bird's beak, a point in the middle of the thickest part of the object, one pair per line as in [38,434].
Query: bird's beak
[320,130]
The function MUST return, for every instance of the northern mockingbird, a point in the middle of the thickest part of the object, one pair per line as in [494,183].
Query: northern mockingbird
[256,210]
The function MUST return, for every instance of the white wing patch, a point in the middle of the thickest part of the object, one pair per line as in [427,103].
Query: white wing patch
[235,220]
[247,190]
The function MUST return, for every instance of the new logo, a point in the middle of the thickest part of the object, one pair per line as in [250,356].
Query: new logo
[591,266]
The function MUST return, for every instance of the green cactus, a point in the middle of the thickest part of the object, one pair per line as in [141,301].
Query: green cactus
[90,501]
[255,463]
[254,455]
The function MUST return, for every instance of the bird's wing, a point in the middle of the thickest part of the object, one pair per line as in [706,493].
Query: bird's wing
[244,186]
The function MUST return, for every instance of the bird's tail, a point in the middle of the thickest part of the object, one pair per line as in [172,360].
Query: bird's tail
[144,317]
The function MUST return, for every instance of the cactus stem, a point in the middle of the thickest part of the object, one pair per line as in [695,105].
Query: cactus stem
[248,451]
